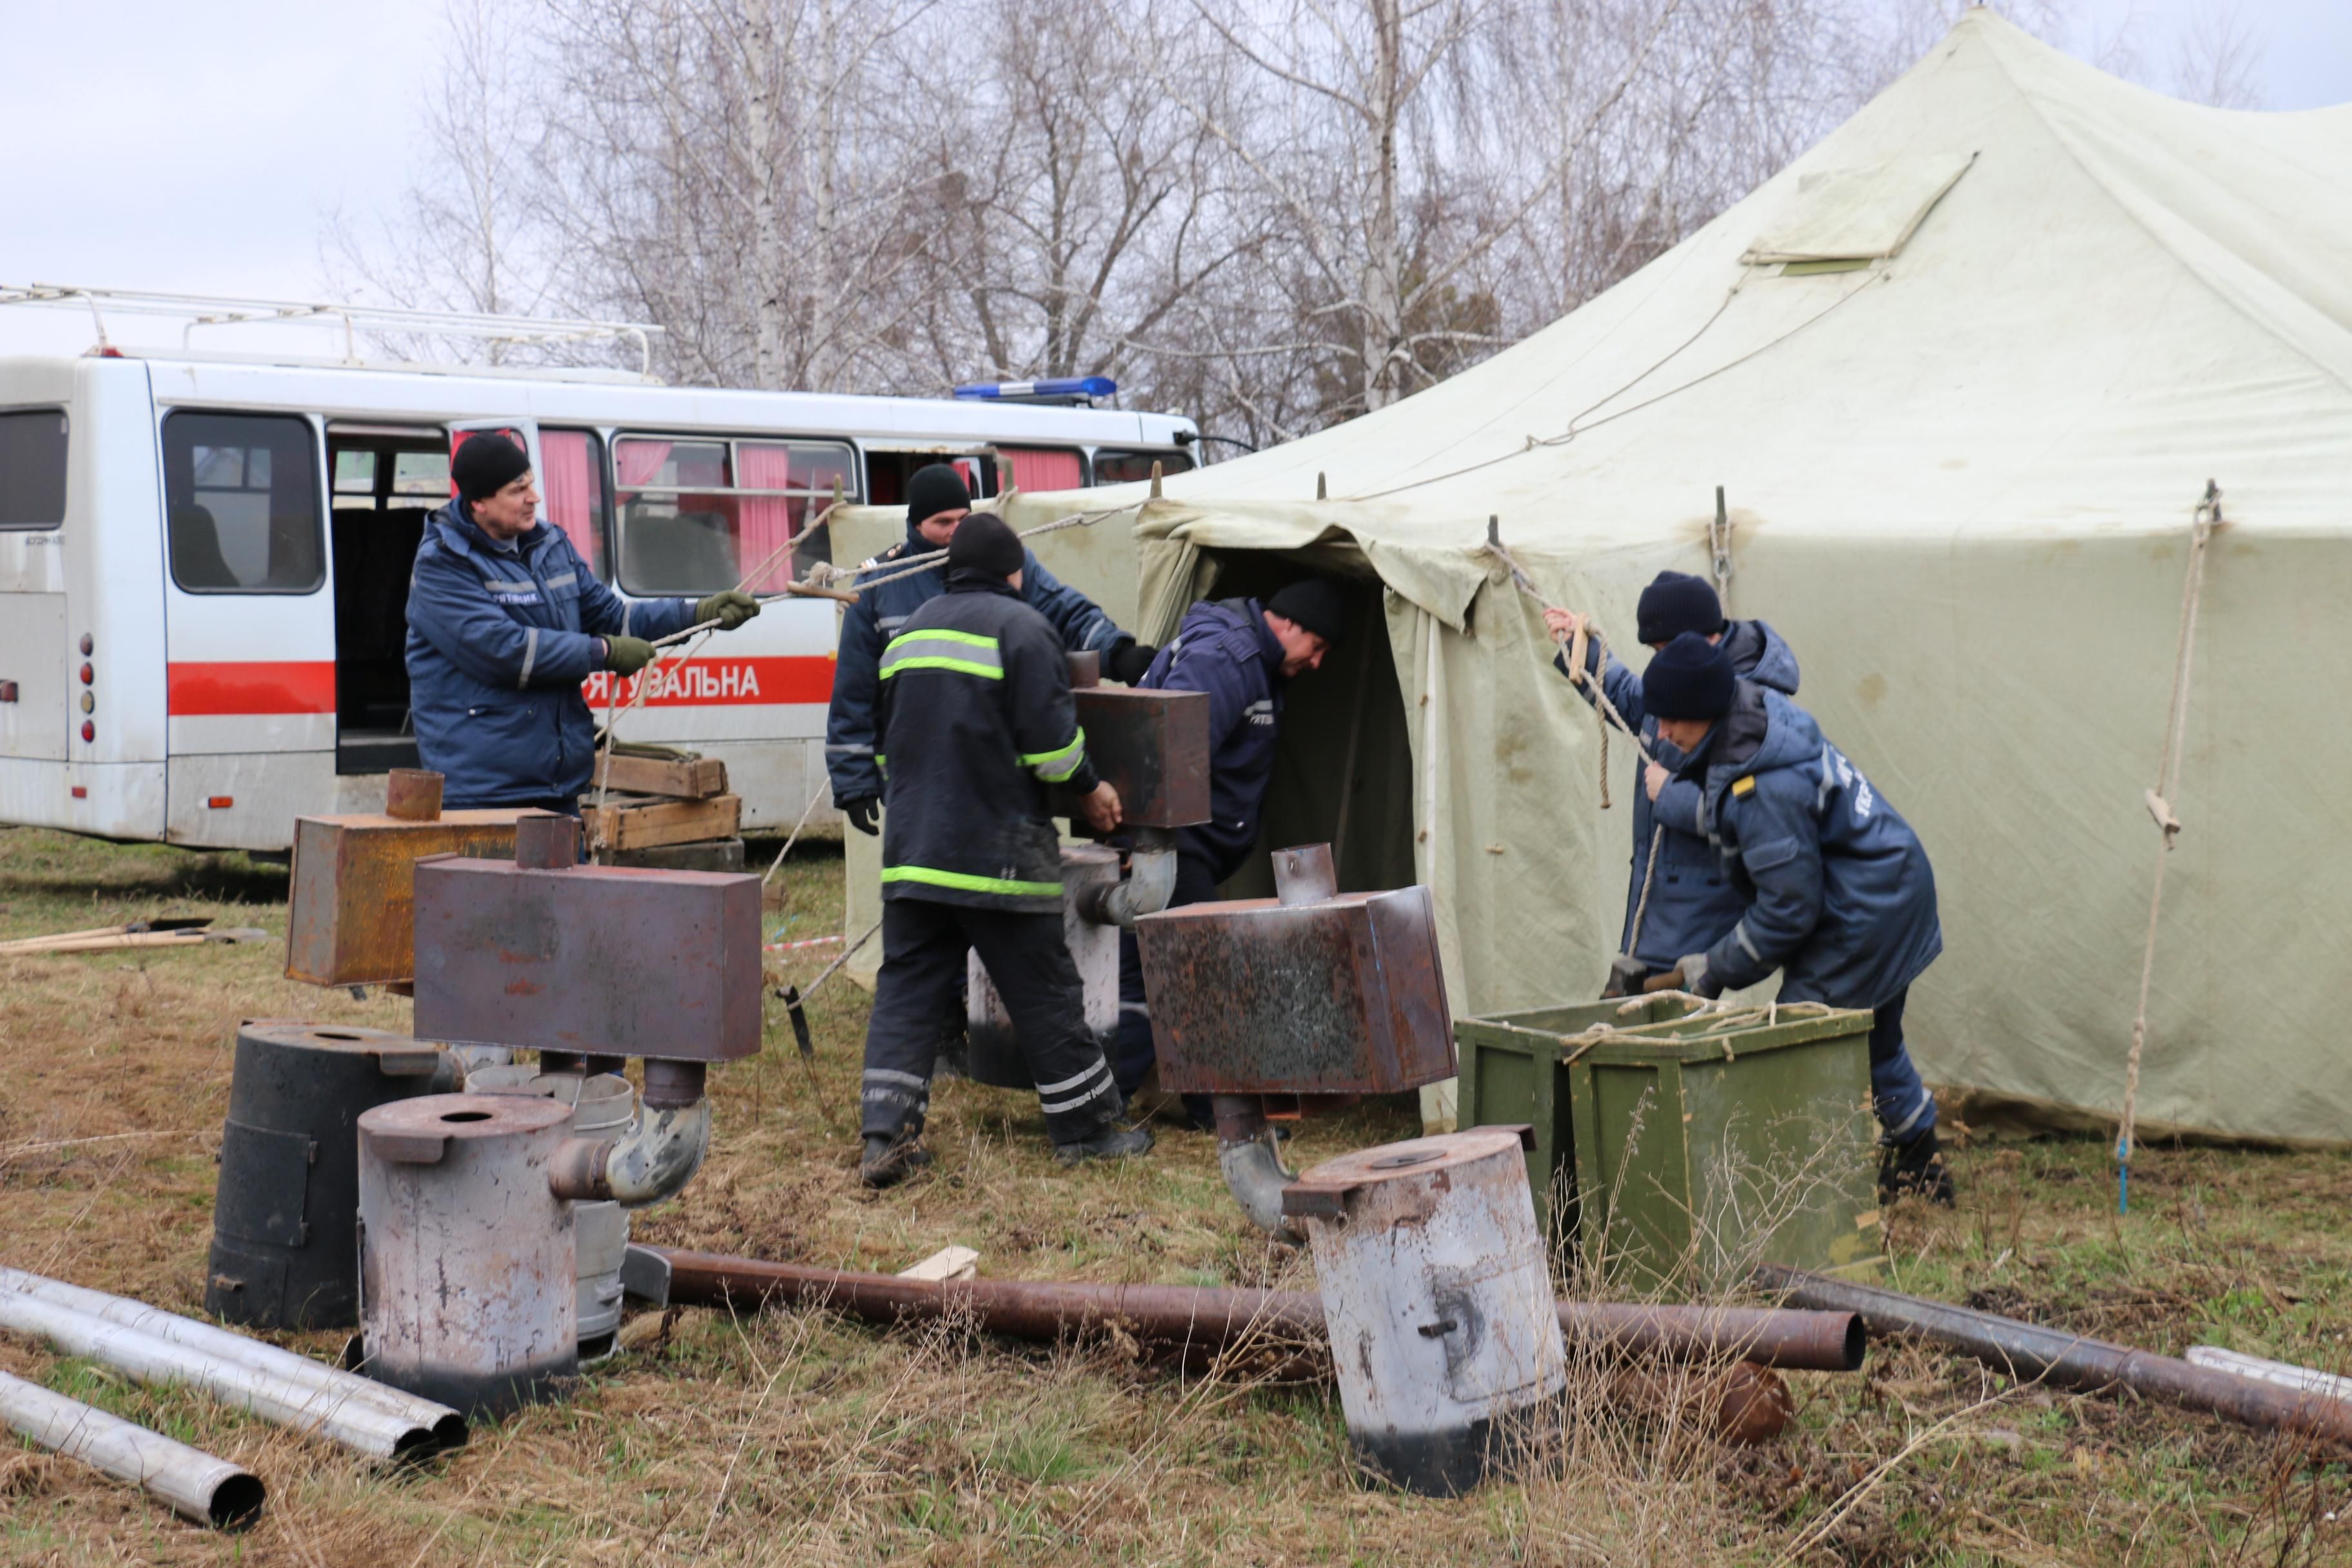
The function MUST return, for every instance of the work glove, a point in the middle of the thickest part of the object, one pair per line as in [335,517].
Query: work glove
[627,656]
[1626,974]
[1687,974]
[863,812]
[1130,659]
[729,609]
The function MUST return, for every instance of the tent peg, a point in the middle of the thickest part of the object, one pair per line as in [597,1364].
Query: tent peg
[1320,492]
[1155,478]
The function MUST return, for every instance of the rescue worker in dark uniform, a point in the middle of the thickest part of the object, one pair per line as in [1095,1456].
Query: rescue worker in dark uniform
[977,720]
[1691,900]
[936,502]
[1243,654]
[505,621]
[1834,886]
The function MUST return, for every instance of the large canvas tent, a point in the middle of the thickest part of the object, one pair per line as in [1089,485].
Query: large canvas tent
[1963,371]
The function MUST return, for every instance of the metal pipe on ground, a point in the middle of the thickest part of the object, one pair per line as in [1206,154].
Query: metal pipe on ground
[445,1427]
[1211,1318]
[338,1414]
[198,1486]
[2030,1353]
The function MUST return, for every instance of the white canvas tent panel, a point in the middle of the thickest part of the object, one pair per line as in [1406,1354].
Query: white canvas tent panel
[1960,483]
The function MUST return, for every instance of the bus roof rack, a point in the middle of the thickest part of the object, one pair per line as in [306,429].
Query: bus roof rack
[220,311]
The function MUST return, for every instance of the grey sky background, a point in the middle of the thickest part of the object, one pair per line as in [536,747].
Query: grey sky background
[204,148]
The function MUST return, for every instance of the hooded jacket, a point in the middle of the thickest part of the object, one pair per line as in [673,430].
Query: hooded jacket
[977,718]
[1839,893]
[500,639]
[1225,648]
[1692,898]
[881,613]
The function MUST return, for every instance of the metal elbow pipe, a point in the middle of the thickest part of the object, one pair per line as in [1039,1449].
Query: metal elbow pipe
[1254,1170]
[660,1153]
[1150,883]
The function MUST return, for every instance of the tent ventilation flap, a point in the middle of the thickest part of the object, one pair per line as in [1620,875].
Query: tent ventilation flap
[1857,215]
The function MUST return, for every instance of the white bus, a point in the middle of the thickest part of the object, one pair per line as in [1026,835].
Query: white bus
[204,563]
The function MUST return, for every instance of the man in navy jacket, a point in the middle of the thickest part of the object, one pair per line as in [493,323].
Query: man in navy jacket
[1243,654]
[936,502]
[1690,899]
[1836,891]
[505,621]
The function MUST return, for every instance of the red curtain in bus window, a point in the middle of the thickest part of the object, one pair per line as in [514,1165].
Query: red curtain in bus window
[767,521]
[639,461]
[1035,469]
[572,490]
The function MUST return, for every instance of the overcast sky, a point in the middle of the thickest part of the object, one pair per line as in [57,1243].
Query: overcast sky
[203,148]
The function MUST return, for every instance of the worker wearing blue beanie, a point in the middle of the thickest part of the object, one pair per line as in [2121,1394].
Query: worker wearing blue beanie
[1689,678]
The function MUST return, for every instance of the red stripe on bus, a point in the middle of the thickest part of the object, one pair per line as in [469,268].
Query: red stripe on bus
[251,687]
[722,682]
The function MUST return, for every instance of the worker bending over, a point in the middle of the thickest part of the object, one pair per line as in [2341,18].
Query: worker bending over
[936,502]
[1837,890]
[1243,653]
[505,621]
[977,720]
[1691,900]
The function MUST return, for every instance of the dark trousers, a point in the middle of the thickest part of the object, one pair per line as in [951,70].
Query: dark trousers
[1133,1052]
[1906,1110]
[923,949]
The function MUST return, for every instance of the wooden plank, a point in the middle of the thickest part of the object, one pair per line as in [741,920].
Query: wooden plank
[947,1263]
[634,824]
[693,778]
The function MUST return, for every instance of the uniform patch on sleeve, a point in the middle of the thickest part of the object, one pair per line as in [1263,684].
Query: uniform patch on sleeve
[1745,785]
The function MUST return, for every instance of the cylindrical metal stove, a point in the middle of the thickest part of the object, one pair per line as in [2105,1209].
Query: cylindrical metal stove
[602,1107]
[469,1284]
[285,1251]
[993,1053]
[1438,1302]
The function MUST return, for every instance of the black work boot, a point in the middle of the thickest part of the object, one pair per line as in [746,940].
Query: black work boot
[1110,1143]
[1916,1169]
[889,1161]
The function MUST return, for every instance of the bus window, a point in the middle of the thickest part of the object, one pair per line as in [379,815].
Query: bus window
[1035,469]
[701,514]
[33,469]
[424,475]
[572,492]
[241,497]
[1131,467]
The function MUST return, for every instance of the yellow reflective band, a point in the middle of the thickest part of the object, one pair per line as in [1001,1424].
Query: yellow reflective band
[1744,786]
[986,672]
[965,882]
[1059,763]
[971,639]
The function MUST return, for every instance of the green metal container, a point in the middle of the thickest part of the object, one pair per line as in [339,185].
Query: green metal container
[1677,1148]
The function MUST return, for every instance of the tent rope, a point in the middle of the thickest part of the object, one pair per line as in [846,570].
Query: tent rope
[2208,516]
[824,575]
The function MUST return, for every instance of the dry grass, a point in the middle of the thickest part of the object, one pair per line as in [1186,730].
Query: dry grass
[802,1438]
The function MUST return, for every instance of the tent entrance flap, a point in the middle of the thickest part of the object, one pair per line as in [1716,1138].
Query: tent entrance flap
[1343,764]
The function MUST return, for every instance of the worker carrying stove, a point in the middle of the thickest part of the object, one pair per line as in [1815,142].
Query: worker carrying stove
[1243,653]
[936,502]
[505,621]
[1835,887]
[1690,899]
[976,719]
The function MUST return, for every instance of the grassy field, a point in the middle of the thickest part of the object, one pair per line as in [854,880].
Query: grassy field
[805,1439]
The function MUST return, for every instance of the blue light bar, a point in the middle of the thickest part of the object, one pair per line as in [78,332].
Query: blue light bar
[1064,386]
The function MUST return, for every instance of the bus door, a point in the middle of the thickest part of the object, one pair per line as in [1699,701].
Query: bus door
[250,626]
[698,513]
[383,481]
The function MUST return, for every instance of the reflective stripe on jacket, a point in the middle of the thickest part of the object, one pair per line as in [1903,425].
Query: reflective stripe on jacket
[977,718]
[882,613]
[499,639]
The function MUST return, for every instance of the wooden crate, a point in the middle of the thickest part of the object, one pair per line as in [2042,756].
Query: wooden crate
[679,778]
[644,822]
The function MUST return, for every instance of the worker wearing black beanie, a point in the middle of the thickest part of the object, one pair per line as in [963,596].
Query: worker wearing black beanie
[930,490]
[487,464]
[985,545]
[1690,678]
[1676,603]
